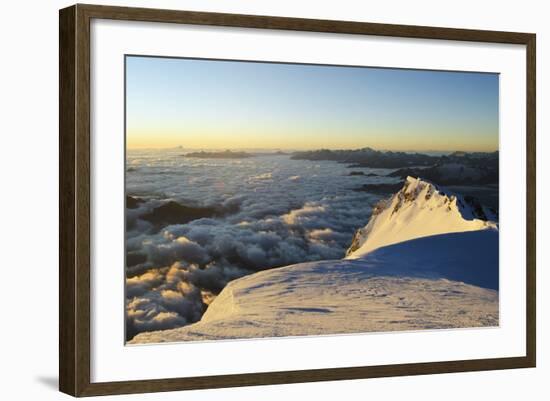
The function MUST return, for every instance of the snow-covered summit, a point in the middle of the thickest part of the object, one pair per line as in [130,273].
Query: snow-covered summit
[420,209]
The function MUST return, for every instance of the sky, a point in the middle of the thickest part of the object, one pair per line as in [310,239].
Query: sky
[214,104]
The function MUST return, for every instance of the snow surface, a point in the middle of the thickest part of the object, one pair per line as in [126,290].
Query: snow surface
[429,283]
[418,277]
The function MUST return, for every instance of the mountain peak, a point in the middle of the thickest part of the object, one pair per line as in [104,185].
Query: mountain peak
[421,191]
[420,209]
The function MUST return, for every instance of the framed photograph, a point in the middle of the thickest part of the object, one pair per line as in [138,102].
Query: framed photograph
[250,200]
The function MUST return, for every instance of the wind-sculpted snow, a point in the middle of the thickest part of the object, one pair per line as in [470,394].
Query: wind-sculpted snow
[426,283]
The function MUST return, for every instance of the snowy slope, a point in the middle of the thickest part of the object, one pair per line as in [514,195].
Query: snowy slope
[420,209]
[428,283]
[408,269]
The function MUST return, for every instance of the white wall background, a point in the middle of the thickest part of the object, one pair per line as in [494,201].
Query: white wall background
[28,170]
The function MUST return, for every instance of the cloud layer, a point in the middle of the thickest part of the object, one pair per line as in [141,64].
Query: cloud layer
[286,212]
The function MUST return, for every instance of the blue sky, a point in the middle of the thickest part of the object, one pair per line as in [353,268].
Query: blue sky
[213,104]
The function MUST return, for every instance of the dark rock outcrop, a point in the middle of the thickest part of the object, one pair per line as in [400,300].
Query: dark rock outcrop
[174,213]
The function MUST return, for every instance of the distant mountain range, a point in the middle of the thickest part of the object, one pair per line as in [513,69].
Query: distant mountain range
[467,168]
[457,168]
[368,157]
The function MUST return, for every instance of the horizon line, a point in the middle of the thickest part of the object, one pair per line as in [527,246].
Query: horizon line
[302,149]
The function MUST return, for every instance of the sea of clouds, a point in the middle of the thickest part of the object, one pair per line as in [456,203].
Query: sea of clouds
[283,212]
